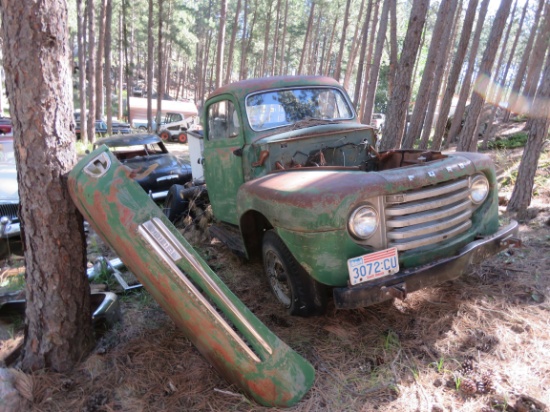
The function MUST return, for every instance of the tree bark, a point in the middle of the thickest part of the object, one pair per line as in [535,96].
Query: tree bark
[361,64]
[520,73]
[120,65]
[150,62]
[456,124]
[329,52]
[354,46]
[338,65]
[99,61]
[368,64]
[58,330]
[276,40]
[90,71]
[232,44]
[393,45]
[221,43]
[81,27]
[441,62]
[421,103]
[468,141]
[396,115]
[161,63]
[456,68]
[266,40]
[283,39]
[108,84]
[375,68]
[523,189]
[308,34]
[242,66]
[537,56]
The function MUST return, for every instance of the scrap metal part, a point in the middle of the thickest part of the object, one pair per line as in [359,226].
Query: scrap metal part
[224,330]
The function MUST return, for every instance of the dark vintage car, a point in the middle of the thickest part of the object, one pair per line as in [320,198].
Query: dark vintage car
[100,128]
[156,169]
[5,125]
[121,127]
[9,197]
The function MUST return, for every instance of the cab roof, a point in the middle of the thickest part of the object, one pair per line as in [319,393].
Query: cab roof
[243,88]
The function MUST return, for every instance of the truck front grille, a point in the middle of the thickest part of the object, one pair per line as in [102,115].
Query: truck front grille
[429,215]
[10,210]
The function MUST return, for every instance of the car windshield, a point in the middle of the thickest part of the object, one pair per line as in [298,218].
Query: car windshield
[279,108]
[7,156]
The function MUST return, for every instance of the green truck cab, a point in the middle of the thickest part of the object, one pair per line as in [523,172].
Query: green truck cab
[294,178]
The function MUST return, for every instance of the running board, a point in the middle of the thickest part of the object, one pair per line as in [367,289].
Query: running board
[224,330]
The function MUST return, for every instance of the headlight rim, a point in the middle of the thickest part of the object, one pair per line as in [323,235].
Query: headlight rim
[352,215]
[473,180]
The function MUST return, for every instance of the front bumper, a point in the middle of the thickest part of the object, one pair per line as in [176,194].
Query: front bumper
[409,280]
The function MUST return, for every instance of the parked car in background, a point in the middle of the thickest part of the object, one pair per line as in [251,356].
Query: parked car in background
[100,128]
[156,170]
[378,121]
[120,127]
[9,195]
[5,125]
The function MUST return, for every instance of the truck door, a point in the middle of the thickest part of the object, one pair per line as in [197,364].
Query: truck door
[223,169]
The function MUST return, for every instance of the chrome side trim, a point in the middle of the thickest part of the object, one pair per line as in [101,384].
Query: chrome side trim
[171,247]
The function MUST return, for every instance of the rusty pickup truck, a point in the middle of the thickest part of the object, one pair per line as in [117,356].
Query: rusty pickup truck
[294,178]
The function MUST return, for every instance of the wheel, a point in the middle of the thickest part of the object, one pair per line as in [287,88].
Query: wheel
[175,206]
[165,135]
[293,287]
[182,137]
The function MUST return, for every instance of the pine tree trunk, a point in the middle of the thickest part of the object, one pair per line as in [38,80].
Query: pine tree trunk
[375,68]
[90,71]
[329,52]
[368,64]
[221,43]
[99,61]
[523,189]
[454,74]
[393,45]
[421,103]
[120,67]
[520,73]
[266,40]
[283,40]
[361,65]
[396,115]
[437,76]
[468,140]
[534,68]
[338,65]
[232,44]
[458,116]
[81,27]
[242,66]
[58,329]
[108,84]
[150,62]
[354,46]
[308,34]
[275,40]
[160,62]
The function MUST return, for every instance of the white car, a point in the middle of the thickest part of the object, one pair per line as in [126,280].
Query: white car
[378,120]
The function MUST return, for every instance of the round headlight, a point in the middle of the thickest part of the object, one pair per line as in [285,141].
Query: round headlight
[363,222]
[479,188]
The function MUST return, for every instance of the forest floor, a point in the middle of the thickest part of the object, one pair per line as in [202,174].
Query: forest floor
[480,343]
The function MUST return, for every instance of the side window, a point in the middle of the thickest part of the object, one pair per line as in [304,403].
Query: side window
[223,121]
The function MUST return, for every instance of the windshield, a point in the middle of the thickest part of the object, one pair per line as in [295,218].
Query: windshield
[287,107]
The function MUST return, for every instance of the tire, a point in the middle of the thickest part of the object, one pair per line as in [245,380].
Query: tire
[182,137]
[299,293]
[165,136]
[175,206]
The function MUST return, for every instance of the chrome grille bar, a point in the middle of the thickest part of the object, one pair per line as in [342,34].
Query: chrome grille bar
[428,215]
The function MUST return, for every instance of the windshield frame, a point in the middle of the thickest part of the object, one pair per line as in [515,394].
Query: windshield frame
[337,92]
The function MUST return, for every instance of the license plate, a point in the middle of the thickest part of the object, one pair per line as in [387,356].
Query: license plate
[373,266]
